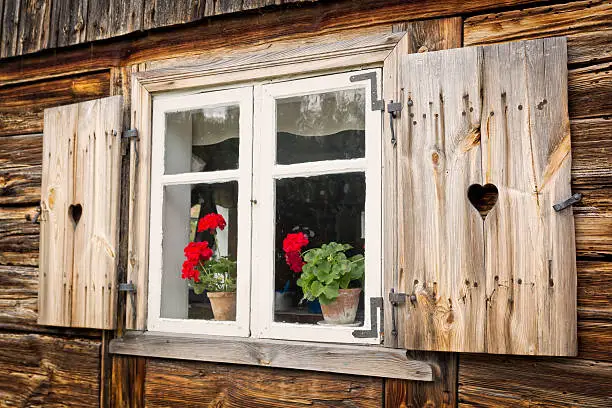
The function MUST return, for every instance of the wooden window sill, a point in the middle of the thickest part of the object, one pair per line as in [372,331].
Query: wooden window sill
[375,361]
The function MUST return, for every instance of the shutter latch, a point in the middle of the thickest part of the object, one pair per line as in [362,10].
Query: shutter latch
[574,199]
[393,108]
[129,288]
[130,134]
[397,299]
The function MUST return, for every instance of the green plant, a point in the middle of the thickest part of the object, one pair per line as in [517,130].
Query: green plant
[327,270]
[218,274]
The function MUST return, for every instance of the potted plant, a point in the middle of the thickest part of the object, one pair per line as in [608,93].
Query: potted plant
[327,274]
[206,270]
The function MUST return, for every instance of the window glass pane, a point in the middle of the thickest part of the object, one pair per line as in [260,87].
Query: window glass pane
[323,126]
[200,237]
[321,210]
[203,139]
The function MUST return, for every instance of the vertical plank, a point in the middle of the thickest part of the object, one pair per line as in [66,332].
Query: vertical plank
[10,28]
[110,18]
[34,23]
[128,382]
[442,392]
[421,36]
[69,22]
[159,13]
[530,249]
[97,177]
[56,234]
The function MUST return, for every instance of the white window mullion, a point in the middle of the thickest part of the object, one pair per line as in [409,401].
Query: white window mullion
[319,168]
[201,177]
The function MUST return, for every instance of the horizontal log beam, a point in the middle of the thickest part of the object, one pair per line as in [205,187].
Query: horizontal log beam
[202,385]
[40,370]
[373,361]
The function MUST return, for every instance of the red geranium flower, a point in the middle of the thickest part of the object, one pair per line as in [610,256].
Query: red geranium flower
[294,260]
[295,242]
[198,251]
[189,271]
[211,222]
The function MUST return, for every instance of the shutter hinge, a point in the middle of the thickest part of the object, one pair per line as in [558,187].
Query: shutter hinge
[130,134]
[393,108]
[574,199]
[129,288]
[377,104]
[376,303]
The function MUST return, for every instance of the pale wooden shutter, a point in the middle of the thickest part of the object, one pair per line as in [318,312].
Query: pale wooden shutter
[80,214]
[501,279]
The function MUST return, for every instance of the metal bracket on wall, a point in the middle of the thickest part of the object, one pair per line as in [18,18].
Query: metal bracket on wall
[129,288]
[376,303]
[574,199]
[394,108]
[377,104]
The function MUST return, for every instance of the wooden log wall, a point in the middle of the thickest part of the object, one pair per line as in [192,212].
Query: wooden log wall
[44,366]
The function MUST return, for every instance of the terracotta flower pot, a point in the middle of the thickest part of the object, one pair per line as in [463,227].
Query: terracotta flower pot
[223,305]
[343,309]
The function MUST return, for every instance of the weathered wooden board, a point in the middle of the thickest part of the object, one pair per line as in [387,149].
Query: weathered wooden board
[80,207]
[589,91]
[527,382]
[373,361]
[46,371]
[69,22]
[182,383]
[110,18]
[21,107]
[442,392]
[20,169]
[587,24]
[500,279]
[248,29]
[127,381]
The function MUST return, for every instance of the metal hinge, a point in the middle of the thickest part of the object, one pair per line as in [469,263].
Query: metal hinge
[129,288]
[376,303]
[377,104]
[574,199]
[130,134]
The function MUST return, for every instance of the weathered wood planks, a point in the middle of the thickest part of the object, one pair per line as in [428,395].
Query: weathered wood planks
[501,279]
[587,24]
[193,384]
[80,214]
[373,361]
[47,371]
[21,107]
[526,382]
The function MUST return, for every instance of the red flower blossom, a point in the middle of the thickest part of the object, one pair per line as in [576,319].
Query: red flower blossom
[195,252]
[294,260]
[211,222]
[295,242]
[198,251]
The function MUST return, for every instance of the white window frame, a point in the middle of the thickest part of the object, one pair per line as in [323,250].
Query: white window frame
[266,171]
[242,96]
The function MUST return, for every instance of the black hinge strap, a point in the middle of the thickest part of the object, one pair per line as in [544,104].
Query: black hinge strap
[375,304]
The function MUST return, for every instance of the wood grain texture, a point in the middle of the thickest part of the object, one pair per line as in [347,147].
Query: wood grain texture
[181,383]
[69,22]
[527,382]
[589,91]
[504,283]
[336,358]
[587,24]
[20,170]
[248,29]
[46,371]
[34,22]
[81,164]
[9,31]
[442,392]
[128,381]
[111,18]
[595,290]
[21,107]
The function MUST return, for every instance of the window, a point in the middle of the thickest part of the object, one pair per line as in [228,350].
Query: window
[311,151]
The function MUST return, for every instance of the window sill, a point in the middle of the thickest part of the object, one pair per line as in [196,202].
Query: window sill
[375,361]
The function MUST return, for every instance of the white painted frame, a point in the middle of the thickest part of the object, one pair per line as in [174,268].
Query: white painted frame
[163,104]
[266,171]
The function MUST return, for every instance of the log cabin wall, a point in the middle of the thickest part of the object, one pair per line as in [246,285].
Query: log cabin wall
[49,59]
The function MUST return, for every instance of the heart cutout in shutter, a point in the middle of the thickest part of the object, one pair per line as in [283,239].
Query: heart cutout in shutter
[483,198]
[75,211]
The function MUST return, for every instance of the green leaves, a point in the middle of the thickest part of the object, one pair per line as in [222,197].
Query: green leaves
[327,270]
[216,275]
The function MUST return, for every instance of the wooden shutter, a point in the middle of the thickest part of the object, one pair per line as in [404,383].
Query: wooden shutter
[80,214]
[488,125]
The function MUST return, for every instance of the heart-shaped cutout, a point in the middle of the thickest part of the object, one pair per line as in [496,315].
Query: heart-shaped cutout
[483,198]
[75,211]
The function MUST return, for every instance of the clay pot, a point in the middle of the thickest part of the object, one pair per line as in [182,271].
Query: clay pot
[343,309]
[223,305]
